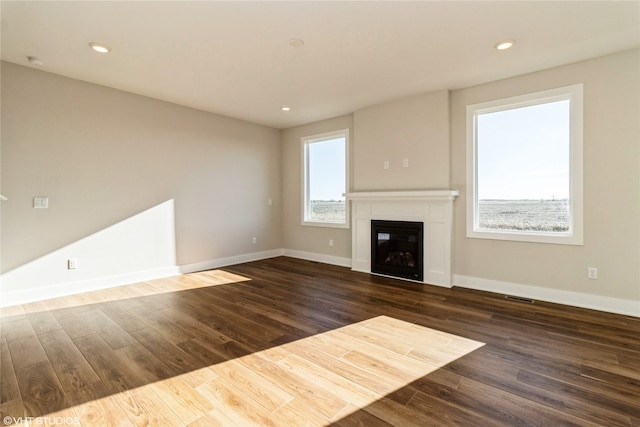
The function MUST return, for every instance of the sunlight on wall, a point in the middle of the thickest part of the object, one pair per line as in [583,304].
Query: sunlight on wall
[138,248]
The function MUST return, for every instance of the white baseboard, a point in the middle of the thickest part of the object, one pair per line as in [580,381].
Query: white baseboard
[576,299]
[223,262]
[70,288]
[312,256]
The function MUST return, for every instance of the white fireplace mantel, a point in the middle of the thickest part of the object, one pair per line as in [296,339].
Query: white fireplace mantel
[434,208]
[404,195]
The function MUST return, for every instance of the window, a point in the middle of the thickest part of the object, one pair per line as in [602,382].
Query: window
[524,167]
[325,177]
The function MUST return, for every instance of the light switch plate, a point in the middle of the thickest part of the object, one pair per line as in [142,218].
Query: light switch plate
[41,202]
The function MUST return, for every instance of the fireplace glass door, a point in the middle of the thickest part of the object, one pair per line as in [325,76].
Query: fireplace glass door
[397,248]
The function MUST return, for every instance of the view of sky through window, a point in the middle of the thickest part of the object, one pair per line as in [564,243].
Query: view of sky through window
[326,169]
[523,153]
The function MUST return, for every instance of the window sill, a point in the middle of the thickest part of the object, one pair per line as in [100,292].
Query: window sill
[529,237]
[325,224]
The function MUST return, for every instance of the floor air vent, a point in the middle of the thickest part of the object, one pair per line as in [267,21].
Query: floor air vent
[519,299]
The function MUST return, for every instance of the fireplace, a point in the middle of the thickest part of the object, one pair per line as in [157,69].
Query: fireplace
[397,249]
[433,208]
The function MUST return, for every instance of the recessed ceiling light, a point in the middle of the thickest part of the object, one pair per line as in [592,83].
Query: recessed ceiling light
[99,47]
[504,44]
[35,61]
[296,42]
[285,108]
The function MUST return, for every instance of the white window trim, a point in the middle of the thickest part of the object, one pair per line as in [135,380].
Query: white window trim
[305,141]
[575,234]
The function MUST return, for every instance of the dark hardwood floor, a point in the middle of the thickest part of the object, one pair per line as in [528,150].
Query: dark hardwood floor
[287,342]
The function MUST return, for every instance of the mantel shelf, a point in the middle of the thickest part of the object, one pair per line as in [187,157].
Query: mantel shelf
[404,195]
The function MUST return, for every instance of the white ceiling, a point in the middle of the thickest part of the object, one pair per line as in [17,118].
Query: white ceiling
[234,58]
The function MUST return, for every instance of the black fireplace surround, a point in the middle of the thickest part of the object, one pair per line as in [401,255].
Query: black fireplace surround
[397,248]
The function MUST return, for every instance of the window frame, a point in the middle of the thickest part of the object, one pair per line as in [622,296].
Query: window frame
[573,93]
[306,141]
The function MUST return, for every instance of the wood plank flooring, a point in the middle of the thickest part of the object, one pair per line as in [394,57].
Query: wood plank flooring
[287,342]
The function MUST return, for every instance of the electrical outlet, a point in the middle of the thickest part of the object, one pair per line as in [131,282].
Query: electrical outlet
[405,163]
[255,240]
[330,242]
[592,272]
[386,164]
[72,263]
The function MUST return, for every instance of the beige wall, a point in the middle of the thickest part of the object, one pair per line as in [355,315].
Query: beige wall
[310,239]
[429,129]
[414,128]
[103,156]
[611,186]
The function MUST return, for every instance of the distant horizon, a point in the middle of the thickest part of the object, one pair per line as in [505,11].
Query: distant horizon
[555,199]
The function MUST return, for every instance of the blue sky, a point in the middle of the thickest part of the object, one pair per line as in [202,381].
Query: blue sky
[326,169]
[523,153]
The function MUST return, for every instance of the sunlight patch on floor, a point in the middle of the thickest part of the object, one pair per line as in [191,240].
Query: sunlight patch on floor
[320,379]
[138,290]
